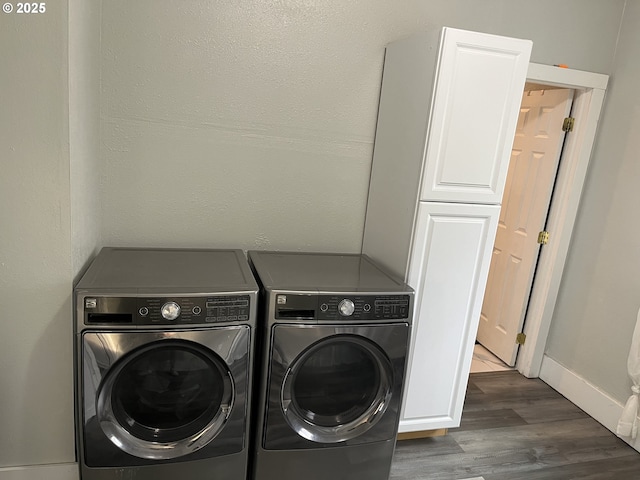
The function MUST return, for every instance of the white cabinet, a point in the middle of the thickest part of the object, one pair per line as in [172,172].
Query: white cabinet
[448,110]
[474,114]
[449,266]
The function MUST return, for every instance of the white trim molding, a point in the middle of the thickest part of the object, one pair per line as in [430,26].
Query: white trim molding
[587,105]
[595,402]
[55,471]
[566,77]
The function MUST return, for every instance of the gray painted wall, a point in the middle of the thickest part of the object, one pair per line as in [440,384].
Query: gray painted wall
[36,407]
[84,131]
[600,291]
[251,124]
[224,124]
[49,217]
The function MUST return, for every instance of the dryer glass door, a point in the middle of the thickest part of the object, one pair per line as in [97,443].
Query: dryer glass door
[165,400]
[337,389]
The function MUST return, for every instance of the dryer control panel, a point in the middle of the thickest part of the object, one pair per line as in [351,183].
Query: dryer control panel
[342,307]
[136,311]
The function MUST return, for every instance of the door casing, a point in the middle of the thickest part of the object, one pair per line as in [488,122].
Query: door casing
[589,97]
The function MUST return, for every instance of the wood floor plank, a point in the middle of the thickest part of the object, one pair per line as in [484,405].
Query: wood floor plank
[488,419]
[518,429]
[510,384]
[426,448]
[531,399]
[512,464]
[627,468]
[551,410]
[569,435]
[463,465]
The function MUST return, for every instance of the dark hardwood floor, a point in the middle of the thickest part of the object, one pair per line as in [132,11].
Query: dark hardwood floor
[514,428]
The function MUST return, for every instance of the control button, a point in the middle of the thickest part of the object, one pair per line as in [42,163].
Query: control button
[196,310]
[170,311]
[144,311]
[346,307]
[90,302]
[366,307]
[324,307]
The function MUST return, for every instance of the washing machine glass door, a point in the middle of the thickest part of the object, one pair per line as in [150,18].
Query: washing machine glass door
[337,389]
[165,400]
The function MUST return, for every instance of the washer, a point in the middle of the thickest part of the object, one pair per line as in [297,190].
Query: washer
[164,341]
[335,333]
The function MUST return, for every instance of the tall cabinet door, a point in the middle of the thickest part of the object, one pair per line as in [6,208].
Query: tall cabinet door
[475,106]
[450,260]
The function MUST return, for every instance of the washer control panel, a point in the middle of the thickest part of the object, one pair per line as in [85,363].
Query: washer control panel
[342,307]
[177,311]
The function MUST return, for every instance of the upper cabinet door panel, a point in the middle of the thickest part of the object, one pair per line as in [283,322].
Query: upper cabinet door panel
[476,100]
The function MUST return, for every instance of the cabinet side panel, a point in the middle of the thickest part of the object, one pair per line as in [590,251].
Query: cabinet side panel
[449,268]
[405,98]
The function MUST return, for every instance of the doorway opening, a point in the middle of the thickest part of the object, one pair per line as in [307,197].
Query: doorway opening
[542,290]
[535,157]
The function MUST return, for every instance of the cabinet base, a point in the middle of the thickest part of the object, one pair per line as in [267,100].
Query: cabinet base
[441,432]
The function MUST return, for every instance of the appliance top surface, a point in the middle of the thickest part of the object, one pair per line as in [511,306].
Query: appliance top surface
[157,269]
[323,272]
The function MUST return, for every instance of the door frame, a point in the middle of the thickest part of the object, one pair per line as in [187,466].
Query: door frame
[590,89]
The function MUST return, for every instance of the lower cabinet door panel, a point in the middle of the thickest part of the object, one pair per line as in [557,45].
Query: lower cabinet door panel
[448,269]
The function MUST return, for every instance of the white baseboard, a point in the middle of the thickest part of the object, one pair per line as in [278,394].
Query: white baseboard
[597,403]
[57,471]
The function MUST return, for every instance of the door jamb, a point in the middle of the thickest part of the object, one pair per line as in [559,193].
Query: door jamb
[589,97]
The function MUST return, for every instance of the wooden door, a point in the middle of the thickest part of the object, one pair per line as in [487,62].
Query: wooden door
[474,109]
[534,162]
[448,271]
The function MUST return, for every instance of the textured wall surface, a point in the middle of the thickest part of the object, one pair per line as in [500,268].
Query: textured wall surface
[36,402]
[84,130]
[251,123]
[599,297]
[242,123]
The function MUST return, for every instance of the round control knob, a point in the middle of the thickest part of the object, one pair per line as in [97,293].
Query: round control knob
[346,307]
[170,311]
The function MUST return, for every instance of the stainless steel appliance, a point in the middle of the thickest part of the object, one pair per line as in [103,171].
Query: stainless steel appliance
[335,334]
[164,341]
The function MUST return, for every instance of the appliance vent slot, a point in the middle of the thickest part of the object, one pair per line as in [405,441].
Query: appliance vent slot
[109,318]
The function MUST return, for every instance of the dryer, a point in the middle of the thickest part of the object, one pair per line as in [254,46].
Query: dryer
[164,342]
[335,332]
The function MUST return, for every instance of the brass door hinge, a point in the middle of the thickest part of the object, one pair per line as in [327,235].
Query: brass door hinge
[543,237]
[567,125]
[520,338]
